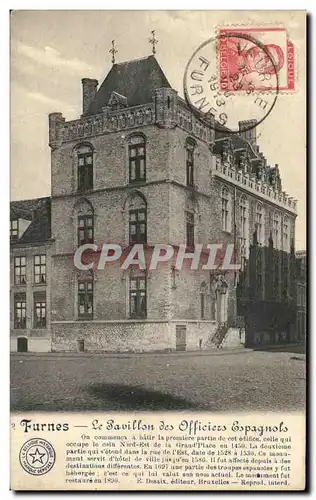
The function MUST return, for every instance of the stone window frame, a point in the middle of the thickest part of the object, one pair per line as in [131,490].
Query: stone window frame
[137,277]
[38,266]
[87,291]
[20,298]
[189,229]
[286,224]
[18,265]
[260,210]
[86,228]
[226,196]
[39,298]
[243,216]
[132,144]
[128,207]
[276,229]
[190,146]
[76,155]
[83,207]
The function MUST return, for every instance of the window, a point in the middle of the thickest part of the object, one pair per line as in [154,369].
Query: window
[190,163]
[243,230]
[137,226]
[85,299]
[85,229]
[85,168]
[40,268]
[276,230]
[226,210]
[259,277]
[285,276]
[202,305]
[20,311]
[14,228]
[137,159]
[137,297]
[286,238]
[260,224]
[39,319]
[190,229]
[19,270]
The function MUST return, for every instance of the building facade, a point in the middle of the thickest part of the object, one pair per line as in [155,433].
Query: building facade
[138,167]
[301,301]
[30,275]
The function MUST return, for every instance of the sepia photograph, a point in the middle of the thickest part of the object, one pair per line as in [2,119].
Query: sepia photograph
[158,255]
[157,213]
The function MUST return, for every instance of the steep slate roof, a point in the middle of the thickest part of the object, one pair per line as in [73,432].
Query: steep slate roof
[136,80]
[37,210]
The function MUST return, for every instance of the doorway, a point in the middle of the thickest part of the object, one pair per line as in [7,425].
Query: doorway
[181,337]
[22,344]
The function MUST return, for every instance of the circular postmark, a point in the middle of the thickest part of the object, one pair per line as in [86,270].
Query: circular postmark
[232,79]
[37,456]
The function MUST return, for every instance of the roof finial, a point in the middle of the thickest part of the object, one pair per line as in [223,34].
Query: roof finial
[153,41]
[114,51]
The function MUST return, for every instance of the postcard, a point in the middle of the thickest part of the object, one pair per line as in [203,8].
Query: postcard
[157,250]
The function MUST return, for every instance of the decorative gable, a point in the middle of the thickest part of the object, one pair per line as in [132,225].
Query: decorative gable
[117,101]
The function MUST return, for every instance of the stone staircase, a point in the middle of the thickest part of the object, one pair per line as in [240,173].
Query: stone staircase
[224,336]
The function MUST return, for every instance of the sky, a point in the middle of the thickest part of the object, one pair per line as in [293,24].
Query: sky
[51,51]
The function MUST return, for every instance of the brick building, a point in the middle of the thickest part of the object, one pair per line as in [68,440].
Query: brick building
[139,167]
[301,295]
[30,261]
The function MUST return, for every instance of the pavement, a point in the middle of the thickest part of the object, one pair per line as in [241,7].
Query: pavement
[221,380]
[297,348]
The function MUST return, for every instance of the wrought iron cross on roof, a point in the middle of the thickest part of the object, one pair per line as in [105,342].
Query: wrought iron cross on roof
[153,41]
[113,51]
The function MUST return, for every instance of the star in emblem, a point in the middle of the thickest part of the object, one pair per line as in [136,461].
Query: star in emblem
[37,456]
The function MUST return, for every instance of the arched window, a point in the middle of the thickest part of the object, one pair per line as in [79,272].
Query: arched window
[276,230]
[85,167]
[260,224]
[203,291]
[84,216]
[243,229]
[85,298]
[137,219]
[226,209]
[137,158]
[286,236]
[138,296]
[189,149]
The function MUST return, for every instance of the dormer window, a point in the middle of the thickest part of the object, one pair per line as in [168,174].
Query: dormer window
[117,101]
[14,228]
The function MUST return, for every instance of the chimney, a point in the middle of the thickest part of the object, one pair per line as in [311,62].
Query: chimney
[247,130]
[89,90]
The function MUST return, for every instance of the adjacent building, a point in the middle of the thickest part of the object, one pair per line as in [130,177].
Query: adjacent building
[139,167]
[30,274]
[301,295]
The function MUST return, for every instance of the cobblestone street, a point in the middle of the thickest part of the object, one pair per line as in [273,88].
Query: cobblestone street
[224,381]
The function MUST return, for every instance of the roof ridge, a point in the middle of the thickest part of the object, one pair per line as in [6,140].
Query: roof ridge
[30,199]
[135,60]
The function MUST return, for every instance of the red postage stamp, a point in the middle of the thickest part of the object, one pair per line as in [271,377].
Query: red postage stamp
[255,59]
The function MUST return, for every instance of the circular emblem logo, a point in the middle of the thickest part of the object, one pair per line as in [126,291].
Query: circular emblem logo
[37,456]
